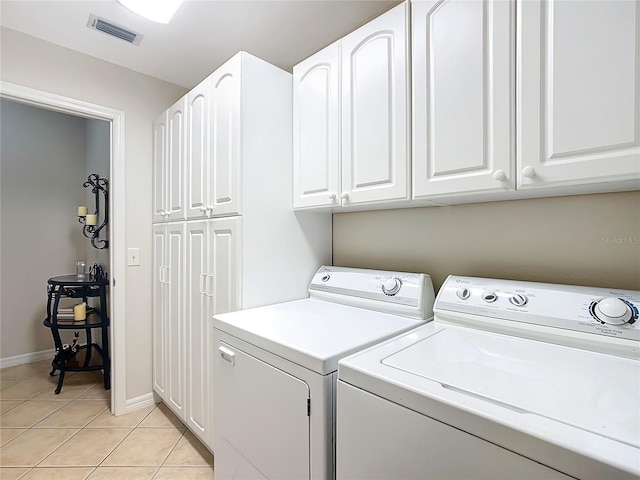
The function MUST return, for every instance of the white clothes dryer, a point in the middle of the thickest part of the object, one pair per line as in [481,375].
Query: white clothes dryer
[512,380]
[275,369]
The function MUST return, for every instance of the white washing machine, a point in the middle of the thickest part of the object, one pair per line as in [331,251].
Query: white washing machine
[275,369]
[511,380]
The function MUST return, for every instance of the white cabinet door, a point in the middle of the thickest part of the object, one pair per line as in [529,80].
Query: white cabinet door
[224,286]
[316,129]
[176,151]
[175,320]
[160,169]
[168,315]
[463,96]
[212,262]
[224,139]
[197,310]
[197,133]
[579,91]
[375,143]
[160,297]
[225,241]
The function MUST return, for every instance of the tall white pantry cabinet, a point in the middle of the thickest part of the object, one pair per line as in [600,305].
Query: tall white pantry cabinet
[225,236]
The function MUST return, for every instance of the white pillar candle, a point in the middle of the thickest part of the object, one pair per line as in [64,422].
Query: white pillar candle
[92,219]
[80,311]
[82,211]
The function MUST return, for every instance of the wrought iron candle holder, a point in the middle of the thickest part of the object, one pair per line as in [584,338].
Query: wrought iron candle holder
[99,187]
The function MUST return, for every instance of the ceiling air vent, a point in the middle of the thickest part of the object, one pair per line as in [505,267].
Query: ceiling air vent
[107,26]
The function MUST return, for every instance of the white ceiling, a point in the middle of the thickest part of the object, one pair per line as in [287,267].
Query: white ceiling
[201,35]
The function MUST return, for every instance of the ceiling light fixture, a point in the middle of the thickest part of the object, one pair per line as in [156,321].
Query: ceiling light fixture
[159,11]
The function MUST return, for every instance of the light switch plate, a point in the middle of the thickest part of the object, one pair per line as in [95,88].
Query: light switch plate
[133,256]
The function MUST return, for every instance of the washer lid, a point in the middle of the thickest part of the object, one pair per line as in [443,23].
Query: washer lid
[312,333]
[591,391]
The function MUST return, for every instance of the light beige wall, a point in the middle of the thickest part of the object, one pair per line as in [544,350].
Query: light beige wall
[581,240]
[31,62]
[42,164]
[98,161]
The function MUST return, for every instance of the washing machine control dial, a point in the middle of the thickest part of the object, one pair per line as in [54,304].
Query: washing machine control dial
[489,296]
[612,311]
[518,299]
[391,286]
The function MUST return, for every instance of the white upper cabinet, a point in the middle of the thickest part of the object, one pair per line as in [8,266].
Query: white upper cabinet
[510,99]
[213,147]
[578,82]
[159,168]
[316,129]
[225,139]
[375,141]
[350,118]
[463,97]
[169,150]
[175,158]
[198,151]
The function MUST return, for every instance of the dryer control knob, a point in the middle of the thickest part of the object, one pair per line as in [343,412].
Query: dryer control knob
[613,311]
[463,293]
[391,286]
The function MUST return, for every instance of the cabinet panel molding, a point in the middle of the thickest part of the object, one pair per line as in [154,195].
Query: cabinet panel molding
[579,83]
[463,97]
[197,151]
[375,141]
[316,129]
[176,152]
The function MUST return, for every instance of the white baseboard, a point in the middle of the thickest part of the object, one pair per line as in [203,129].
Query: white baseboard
[142,401]
[26,358]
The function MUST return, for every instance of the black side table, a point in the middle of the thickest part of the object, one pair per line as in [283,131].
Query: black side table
[82,288]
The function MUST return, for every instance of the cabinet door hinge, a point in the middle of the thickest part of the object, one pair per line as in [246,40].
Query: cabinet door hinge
[308,407]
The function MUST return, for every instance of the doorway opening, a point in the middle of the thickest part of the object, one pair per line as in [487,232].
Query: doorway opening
[116,257]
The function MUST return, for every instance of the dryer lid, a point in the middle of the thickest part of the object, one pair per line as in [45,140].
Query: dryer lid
[312,333]
[591,391]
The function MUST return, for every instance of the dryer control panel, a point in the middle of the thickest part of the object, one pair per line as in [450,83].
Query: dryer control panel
[398,293]
[555,309]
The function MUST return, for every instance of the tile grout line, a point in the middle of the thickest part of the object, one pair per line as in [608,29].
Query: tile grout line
[62,403]
[26,429]
[154,470]
[68,439]
[115,447]
[168,455]
[133,429]
[86,427]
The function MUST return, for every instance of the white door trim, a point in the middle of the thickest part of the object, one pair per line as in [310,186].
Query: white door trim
[79,108]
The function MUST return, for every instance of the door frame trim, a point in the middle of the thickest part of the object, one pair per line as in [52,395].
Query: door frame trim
[78,108]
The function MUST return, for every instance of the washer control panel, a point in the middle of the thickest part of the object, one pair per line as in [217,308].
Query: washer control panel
[601,311]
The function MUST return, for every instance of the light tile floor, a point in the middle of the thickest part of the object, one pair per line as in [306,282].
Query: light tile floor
[73,436]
